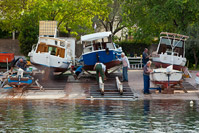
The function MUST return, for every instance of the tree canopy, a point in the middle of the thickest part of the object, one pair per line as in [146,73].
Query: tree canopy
[154,16]
[143,19]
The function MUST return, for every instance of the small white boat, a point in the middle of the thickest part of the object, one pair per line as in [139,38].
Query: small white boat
[51,51]
[165,75]
[170,51]
[55,53]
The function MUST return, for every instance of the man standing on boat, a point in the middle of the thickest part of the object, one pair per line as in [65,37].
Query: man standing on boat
[100,71]
[126,66]
[146,77]
[145,56]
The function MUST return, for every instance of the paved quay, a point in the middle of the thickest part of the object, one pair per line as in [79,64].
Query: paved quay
[66,87]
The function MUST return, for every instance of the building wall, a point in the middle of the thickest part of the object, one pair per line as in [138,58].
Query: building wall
[9,45]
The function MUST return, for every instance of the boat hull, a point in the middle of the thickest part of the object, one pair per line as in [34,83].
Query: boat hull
[108,65]
[164,61]
[42,60]
[109,58]
[160,75]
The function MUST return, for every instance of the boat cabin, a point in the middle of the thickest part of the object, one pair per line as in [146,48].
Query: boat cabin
[172,44]
[98,46]
[54,47]
[169,46]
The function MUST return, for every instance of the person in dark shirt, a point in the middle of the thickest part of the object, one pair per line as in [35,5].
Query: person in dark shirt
[145,56]
[146,77]
[21,63]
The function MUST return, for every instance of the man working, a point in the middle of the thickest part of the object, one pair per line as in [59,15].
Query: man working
[21,63]
[146,77]
[126,65]
[78,71]
[100,70]
[145,56]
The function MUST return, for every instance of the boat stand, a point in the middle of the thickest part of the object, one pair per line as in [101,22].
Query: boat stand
[101,85]
[19,85]
[119,85]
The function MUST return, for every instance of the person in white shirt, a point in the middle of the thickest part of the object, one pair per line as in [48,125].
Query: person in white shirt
[126,66]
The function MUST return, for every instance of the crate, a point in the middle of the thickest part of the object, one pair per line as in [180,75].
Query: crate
[6,57]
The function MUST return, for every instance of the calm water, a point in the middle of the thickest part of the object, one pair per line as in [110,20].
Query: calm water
[98,116]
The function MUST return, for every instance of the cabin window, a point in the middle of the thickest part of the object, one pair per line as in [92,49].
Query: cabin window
[166,41]
[110,45]
[60,52]
[62,44]
[52,50]
[41,47]
[88,49]
[177,43]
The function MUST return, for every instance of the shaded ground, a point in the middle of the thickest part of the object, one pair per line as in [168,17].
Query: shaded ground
[66,87]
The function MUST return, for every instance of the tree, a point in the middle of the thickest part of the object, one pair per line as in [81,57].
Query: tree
[154,16]
[73,16]
[110,16]
[193,43]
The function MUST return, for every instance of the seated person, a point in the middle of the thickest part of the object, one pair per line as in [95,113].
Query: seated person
[21,63]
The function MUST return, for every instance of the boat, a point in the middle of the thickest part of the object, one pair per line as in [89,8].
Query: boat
[6,59]
[95,50]
[166,76]
[55,53]
[170,51]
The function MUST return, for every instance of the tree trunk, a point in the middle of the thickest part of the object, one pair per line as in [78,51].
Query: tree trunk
[195,58]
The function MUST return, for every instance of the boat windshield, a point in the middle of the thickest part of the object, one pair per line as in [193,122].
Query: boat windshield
[166,41]
[167,44]
[178,43]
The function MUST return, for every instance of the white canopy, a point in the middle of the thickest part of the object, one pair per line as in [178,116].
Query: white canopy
[95,36]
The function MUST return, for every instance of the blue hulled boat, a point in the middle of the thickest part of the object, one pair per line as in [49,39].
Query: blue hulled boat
[96,49]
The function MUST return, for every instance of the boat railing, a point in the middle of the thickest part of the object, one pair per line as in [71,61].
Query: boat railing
[135,62]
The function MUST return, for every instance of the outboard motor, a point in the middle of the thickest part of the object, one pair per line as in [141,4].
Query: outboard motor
[20,73]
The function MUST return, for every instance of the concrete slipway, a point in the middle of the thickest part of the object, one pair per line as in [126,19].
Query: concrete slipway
[66,87]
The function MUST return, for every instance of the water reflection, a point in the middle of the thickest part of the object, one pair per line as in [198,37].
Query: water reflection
[98,116]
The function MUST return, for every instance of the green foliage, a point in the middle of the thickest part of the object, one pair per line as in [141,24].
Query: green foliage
[28,33]
[154,16]
[5,34]
[192,47]
[131,47]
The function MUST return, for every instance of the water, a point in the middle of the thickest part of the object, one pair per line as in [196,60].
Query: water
[98,116]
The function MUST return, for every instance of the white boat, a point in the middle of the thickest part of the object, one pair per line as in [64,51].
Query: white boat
[170,51]
[55,53]
[51,51]
[162,75]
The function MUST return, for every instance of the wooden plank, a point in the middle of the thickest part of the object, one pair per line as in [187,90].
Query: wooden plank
[101,85]
[119,85]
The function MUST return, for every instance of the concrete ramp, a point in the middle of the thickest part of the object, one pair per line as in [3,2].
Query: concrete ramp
[110,91]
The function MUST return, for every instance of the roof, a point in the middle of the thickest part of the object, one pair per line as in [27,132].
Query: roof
[174,35]
[95,36]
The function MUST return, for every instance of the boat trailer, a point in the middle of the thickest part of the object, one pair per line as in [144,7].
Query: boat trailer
[20,81]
